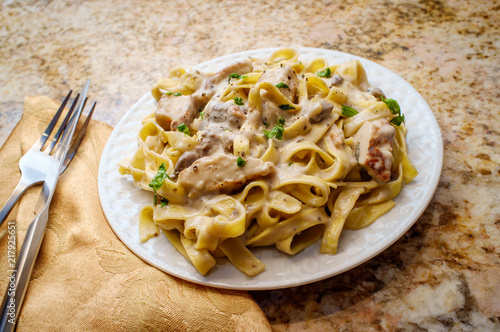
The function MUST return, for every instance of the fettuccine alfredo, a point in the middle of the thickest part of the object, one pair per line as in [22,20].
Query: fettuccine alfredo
[267,152]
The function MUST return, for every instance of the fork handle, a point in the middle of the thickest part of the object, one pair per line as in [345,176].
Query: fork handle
[14,197]
[20,276]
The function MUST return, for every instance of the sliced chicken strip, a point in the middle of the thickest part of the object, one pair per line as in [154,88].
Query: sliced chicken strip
[210,85]
[173,111]
[220,173]
[374,148]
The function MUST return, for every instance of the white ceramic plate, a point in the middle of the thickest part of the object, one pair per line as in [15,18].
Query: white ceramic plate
[121,201]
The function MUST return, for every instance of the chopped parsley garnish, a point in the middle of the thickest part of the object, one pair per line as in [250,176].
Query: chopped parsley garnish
[287,107]
[157,182]
[393,105]
[395,109]
[159,178]
[184,129]
[348,111]
[202,114]
[240,162]
[398,120]
[290,164]
[265,124]
[234,75]
[325,73]
[169,93]
[238,101]
[282,85]
[277,131]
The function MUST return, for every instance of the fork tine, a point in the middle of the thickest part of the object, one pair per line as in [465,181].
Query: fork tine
[63,147]
[62,126]
[79,103]
[41,141]
[76,144]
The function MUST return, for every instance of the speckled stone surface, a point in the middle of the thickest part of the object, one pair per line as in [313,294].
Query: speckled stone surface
[444,274]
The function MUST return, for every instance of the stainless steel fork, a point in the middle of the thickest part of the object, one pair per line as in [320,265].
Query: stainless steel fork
[34,163]
[20,275]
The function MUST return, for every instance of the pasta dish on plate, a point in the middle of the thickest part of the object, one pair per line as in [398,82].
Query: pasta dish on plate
[267,152]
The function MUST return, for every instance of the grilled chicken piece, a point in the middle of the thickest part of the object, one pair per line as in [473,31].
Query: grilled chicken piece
[284,75]
[240,68]
[227,113]
[210,85]
[219,173]
[209,141]
[374,148]
[173,111]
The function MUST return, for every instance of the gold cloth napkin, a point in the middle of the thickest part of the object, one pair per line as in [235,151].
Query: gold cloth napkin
[84,277]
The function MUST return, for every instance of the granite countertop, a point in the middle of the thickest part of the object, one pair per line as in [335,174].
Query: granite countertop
[444,273]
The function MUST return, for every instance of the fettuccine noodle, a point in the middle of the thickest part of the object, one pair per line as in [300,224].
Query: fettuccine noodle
[267,152]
